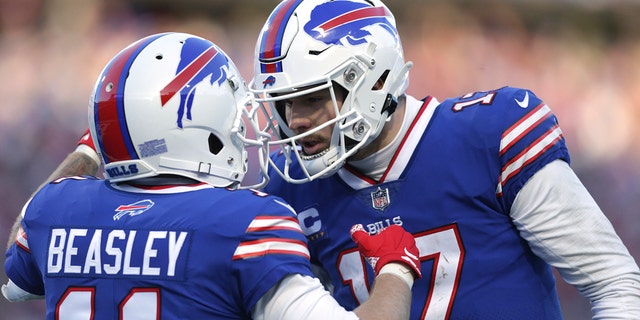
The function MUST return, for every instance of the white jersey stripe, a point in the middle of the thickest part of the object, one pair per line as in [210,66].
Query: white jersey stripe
[21,240]
[261,223]
[258,248]
[410,141]
[529,155]
[513,134]
[419,118]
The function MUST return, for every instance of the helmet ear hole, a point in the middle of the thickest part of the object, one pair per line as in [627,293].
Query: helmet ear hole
[380,83]
[215,144]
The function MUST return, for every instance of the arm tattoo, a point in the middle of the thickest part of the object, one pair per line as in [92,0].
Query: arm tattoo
[75,164]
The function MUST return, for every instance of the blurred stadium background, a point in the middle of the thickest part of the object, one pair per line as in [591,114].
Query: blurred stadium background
[582,57]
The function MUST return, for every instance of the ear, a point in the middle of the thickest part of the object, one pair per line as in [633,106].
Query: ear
[379,84]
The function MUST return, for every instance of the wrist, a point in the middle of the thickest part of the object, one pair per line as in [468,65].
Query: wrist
[398,270]
[90,152]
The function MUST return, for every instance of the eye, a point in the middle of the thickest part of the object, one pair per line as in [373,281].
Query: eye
[315,99]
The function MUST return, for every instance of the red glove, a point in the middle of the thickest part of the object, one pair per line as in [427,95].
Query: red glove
[392,244]
[86,140]
[85,145]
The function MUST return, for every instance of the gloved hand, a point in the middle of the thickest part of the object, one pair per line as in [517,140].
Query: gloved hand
[392,244]
[86,146]
[86,140]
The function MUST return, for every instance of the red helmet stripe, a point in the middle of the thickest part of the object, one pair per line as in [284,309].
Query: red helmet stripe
[271,41]
[109,117]
[353,16]
[183,78]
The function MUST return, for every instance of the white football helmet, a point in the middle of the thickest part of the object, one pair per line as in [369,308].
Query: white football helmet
[311,45]
[174,103]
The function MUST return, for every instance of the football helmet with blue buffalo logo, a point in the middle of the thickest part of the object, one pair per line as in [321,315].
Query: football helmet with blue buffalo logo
[174,103]
[311,45]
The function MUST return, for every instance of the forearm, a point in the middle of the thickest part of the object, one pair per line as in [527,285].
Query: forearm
[390,299]
[299,297]
[564,226]
[302,297]
[75,164]
[621,302]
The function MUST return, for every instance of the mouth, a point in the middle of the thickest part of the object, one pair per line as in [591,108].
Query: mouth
[312,149]
[305,156]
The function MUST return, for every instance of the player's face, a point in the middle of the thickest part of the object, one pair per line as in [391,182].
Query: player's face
[309,111]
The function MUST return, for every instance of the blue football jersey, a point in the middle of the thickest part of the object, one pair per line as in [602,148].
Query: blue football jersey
[172,252]
[451,184]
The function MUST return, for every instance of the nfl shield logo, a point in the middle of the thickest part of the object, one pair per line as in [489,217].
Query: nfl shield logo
[380,198]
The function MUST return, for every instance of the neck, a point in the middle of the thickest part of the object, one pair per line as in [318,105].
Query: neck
[386,136]
[163,179]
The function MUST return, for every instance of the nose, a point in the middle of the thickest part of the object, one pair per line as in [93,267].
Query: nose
[298,117]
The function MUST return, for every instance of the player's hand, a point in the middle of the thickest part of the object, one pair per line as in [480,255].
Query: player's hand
[87,140]
[85,145]
[392,244]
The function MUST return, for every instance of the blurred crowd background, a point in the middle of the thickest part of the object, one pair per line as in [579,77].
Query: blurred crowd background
[581,57]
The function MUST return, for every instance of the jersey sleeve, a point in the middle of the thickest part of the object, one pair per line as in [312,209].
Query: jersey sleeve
[298,297]
[272,247]
[20,265]
[578,240]
[531,138]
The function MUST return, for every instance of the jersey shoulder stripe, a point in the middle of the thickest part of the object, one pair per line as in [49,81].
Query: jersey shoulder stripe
[529,155]
[511,123]
[21,240]
[523,126]
[266,246]
[271,223]
[276,231]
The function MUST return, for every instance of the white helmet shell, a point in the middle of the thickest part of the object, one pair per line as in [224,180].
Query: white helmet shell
[317,44]
[172,103]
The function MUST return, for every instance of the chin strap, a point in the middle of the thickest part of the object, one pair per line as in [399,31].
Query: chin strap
[390,104]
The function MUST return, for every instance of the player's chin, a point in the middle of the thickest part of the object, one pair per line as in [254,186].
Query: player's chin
[313,153]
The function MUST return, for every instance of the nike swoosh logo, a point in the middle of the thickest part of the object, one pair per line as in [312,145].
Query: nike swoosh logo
[525,102]
[412,256]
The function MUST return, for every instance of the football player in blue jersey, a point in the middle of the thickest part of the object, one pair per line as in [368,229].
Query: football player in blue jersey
[170,234]
[482,180]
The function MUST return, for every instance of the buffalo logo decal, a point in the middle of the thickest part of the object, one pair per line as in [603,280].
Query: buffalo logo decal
[335,21]
[198,60]
[133,209]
